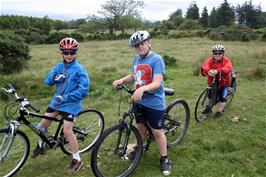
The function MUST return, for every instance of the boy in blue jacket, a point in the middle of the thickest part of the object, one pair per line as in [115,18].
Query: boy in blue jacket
[72,84]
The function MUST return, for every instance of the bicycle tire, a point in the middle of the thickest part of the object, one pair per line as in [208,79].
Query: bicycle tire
[201,104]
[108,160]
[176,122]
[88,127]
[230,96]
[17,154]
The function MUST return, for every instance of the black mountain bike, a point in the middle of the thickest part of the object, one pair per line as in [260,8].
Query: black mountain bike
[112,153]
[210,97]
[15,145]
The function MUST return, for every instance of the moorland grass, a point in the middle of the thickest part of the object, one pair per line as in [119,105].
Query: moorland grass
[212,148]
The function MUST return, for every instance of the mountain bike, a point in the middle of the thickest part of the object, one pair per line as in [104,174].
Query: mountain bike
[15,144]
[210,97]
[119,149]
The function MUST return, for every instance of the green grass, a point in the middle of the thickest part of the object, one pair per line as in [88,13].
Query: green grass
[212,148]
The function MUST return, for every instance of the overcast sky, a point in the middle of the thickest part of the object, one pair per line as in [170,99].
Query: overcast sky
[73,9]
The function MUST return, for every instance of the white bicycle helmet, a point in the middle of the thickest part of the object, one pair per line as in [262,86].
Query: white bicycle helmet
[218,48]
[139,37]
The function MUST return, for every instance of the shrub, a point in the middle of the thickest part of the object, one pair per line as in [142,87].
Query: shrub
[169,61]
[257,73]
[13,53]
[245,37]
[263,37]
[78,36]
[55,38]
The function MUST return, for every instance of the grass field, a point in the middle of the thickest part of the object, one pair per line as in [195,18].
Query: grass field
[214,148]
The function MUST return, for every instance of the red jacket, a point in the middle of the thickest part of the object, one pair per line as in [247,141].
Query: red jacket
[224,66]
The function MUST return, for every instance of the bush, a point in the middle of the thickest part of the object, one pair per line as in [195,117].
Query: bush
[78,36]
[257,73]
[263,37]
[13,53]
[55,38]
[169,61]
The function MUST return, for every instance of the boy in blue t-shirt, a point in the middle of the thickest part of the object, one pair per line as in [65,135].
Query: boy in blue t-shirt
[147,73]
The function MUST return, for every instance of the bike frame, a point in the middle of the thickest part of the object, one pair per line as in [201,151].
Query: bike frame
[22,118]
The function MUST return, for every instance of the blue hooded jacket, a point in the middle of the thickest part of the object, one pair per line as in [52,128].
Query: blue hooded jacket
[73,89]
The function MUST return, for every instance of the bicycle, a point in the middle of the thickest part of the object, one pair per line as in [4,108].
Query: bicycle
[15,144]
[210,97]
[120,147]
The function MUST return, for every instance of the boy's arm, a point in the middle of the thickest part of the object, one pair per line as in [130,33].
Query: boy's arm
[124,80]
[205,67]
[227,68]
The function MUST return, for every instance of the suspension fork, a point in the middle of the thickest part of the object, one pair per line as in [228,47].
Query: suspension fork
[13,126]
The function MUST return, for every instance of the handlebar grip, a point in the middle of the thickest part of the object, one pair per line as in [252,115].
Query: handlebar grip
[35,107]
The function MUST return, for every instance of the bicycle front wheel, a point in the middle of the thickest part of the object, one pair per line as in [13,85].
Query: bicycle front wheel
[117,152]
[14,152]
[177,117]
[201,105]
[88,127]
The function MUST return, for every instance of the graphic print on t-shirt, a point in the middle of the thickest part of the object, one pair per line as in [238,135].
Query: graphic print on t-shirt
[142,75]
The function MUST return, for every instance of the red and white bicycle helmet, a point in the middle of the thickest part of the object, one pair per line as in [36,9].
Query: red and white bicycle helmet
[138,37]
[68,44]
[218,47]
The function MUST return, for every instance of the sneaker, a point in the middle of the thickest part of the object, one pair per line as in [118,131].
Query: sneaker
[207,110]
[37,151]
[131,154]
[74,166]
[166,166]
[218,114]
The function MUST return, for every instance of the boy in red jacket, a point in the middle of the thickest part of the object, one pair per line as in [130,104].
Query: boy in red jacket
[217,64]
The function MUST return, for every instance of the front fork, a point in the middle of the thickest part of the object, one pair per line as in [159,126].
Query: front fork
[8,139]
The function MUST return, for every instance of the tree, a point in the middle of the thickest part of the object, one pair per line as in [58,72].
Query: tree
[177,13]
[58,25]
[249,15]
[13,53]
[113,10]
[212,18]
[193,11]
[225,15]
[204,17]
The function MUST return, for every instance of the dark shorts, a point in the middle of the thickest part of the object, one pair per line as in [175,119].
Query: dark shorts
[65,115]
[223,91]
[155,118]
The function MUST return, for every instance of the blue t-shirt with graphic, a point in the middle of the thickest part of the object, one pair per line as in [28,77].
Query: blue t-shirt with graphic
[144,70]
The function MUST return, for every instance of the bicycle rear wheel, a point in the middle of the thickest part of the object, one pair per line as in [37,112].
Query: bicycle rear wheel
[177,117]
[117,152]
[201,105]
[13,158]
[230,96]
[88,128]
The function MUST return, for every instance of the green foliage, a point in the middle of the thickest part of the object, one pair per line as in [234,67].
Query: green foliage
[263,37]
[225,15]
[169,60]
[189,25]
[13,53]
[54,38]
[239,33]
[78,36]
[193,11]
[258,73]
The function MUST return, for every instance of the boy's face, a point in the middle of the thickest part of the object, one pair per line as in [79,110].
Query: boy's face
[143,48]
[218,55]
[69,55]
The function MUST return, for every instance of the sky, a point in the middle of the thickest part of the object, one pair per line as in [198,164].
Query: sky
[153,10]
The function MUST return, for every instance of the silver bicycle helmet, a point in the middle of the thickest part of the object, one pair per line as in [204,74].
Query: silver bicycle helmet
[139,37]
[218,48]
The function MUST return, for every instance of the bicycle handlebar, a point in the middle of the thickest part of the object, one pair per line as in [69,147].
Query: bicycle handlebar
[24,103]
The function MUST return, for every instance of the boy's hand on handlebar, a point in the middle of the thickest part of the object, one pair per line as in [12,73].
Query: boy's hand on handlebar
[117,83]
[212,72]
